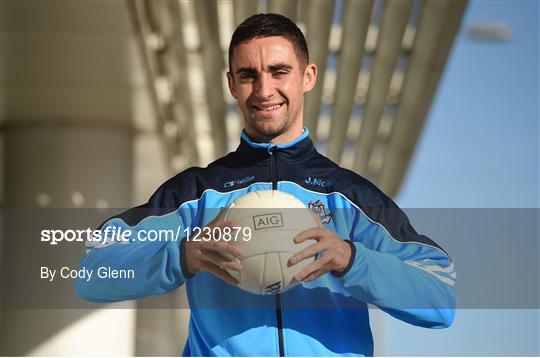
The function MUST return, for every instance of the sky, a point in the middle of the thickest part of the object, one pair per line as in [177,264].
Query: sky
[480,149]
[480,145]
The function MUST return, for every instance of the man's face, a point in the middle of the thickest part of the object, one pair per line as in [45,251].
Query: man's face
[269,81]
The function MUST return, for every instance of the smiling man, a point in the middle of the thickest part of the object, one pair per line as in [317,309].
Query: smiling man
[268,76]
[366,250]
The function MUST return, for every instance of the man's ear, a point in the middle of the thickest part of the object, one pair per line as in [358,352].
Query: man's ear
[230,82]
[310,77]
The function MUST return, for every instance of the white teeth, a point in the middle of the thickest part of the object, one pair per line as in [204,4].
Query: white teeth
[271,108]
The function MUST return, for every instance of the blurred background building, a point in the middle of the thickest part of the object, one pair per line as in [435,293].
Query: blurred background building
[103,100]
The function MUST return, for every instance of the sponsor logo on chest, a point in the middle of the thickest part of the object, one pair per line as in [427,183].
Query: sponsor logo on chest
[320,182]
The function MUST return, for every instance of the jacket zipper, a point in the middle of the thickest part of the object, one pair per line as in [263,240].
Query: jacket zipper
[274,174]
[272,150]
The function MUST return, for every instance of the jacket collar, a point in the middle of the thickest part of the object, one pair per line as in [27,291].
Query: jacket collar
[297,149]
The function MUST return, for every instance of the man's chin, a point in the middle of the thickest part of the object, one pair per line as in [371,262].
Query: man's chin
[269,131]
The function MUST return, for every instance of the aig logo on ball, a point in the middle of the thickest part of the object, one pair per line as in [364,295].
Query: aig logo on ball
[267,221]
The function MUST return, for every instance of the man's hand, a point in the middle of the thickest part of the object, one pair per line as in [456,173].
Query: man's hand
[205,256]
[335,253]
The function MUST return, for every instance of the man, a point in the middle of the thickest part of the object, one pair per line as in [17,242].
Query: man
[372,256]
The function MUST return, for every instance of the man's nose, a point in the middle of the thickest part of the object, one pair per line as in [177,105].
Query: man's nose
[263,86]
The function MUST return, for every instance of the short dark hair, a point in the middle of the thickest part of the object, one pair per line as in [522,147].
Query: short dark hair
[267,25]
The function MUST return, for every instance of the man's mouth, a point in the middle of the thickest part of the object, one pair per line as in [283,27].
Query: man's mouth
[268,107]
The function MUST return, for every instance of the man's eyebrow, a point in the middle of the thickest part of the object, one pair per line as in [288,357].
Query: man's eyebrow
[271,68]
[279,66]
[246,70]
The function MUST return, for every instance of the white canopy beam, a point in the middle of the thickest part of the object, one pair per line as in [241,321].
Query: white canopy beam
[318,23]
[356,20]
[213,65]
[393,23]
[439,23]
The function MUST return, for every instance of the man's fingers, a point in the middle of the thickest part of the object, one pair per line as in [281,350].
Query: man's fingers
[220,273]
[221,261]
[314,233]
[315,275]
[223,246]
[318,220]
[309,251]
[315,269]
[312,250]
[214,230]
[222,224]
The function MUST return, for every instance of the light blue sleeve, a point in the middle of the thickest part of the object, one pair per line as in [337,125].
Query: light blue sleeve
[404,291]
[148,267]
[411,280]
[151,264]
[156,270]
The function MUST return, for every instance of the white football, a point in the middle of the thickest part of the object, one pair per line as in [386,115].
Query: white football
[274,218]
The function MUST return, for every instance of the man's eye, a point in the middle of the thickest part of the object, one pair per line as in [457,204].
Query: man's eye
[247,77]
[280,73]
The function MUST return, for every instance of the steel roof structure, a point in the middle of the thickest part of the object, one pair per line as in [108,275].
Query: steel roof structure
[379,65]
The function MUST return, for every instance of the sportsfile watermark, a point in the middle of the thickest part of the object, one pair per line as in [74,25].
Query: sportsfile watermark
[488,257]
[116,234]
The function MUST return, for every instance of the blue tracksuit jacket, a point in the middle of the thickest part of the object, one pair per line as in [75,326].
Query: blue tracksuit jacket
[393,267]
